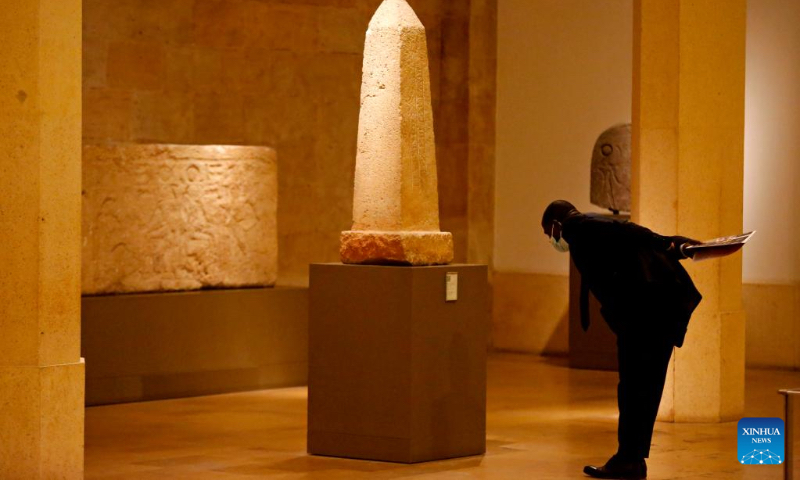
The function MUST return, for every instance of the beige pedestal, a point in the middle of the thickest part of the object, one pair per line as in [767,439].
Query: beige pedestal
[396,373]
[688,148]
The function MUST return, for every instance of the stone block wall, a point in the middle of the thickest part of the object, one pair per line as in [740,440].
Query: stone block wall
[279,73]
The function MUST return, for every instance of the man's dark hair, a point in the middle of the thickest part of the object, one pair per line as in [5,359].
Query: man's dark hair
[557,210]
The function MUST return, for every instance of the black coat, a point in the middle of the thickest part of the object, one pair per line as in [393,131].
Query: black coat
[633,273]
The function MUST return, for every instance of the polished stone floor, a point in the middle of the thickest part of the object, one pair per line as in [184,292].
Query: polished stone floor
[545,422]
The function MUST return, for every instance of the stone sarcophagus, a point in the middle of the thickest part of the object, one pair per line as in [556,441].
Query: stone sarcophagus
[178,217]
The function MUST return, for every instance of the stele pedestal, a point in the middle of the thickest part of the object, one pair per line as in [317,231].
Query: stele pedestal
[596,348]
[396,372]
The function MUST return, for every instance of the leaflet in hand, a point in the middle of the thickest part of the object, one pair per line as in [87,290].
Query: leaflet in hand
[718,247]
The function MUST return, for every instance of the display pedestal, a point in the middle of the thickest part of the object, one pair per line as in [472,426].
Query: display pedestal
[396,372]
[595,349]
[153,346]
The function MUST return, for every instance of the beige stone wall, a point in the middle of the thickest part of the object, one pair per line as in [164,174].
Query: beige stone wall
[564,71]
[551,107]
[772,145]
[284,74]
[771,263]
[531,316]
[773,325]
[531,313]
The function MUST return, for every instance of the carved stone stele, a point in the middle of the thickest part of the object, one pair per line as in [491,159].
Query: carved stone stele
[178,217]
[396,204]
[611,169]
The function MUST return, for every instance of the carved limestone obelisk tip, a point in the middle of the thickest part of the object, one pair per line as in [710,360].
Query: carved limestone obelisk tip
[395,205]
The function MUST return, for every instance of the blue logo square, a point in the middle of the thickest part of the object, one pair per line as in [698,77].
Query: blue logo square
[761,441]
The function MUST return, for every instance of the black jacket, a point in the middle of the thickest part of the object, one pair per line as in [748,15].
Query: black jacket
[633,273]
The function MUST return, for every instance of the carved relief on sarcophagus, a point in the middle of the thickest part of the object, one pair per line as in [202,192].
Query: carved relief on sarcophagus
[178,217]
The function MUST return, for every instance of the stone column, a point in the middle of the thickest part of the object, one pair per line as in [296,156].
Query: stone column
[481,130]
[41,372]
[396,201]
[687,179]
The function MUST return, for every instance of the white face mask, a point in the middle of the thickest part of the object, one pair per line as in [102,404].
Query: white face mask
[560,245]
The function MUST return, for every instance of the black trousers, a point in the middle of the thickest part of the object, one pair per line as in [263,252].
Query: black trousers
[643,361]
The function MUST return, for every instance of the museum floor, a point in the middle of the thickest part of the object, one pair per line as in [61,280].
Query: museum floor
[545,421]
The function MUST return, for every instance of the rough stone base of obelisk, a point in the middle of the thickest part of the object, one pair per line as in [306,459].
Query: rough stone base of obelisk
[396,373]
[402,248]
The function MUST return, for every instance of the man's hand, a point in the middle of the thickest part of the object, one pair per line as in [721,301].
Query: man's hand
[678,243]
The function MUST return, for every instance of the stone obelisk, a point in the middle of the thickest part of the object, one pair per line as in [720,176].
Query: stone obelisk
[395,205]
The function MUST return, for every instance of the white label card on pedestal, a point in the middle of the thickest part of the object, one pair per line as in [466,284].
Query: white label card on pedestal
[451,287]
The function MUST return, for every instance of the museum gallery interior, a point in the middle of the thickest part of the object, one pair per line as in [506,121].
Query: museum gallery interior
[305,238]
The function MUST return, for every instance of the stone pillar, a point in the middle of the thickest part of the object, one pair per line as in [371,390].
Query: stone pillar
[481,131]
[687,179]
[41,372]
[396,201]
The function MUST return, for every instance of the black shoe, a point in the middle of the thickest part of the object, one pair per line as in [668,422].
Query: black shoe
[616,468]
